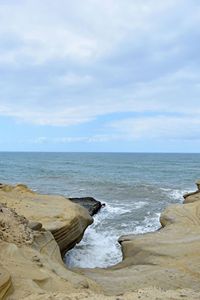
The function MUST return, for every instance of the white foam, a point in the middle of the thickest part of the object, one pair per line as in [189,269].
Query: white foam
[97,249]
[139,205]
[175,194]
[119,210]
[149,224]
[178,194]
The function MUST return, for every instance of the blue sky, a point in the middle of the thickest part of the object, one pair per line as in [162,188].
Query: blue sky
[99,75]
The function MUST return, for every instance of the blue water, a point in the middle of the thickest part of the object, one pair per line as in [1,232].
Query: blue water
[135,187]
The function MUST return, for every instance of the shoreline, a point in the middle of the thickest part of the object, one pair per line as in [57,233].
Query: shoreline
[158,254]
[142,254]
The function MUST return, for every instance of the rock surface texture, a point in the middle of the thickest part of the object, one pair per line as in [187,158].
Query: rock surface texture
[64,219]
[30,261]
[161,265]
[5,282]
[194,196]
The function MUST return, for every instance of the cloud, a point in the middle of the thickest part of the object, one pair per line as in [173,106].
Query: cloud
[72,79]
[66,63]
[159,127]
[101,138]
[90,30]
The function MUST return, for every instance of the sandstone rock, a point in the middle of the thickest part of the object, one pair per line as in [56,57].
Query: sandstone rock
[5,282]
[35,225]
[160,265]
[168,259]
[198,184]
[191,197]
[14,228]
[144,294]
[31,260]
[66,220]
[38,274]
[92,205]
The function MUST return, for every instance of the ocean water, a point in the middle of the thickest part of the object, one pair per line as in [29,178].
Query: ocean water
[135,187]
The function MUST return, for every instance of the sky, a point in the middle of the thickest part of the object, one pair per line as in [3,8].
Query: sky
[100,75]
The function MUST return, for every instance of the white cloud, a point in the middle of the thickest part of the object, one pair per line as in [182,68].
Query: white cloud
[100,138]
[72,79]
[159,127]
[69,113]
[68,62]
[80,30]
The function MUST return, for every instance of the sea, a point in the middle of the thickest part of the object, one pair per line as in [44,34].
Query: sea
[136,187]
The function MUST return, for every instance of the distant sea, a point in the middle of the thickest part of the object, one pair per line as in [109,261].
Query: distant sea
[136,187]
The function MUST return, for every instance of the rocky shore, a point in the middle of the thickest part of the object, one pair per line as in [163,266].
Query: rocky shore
[36,230]
[92,205]
[65,220]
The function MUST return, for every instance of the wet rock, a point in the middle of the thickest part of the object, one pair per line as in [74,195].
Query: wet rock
[92,205]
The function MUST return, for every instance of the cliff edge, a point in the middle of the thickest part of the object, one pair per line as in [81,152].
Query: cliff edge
[64,219]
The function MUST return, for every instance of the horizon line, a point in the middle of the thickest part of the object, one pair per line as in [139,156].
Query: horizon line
[98,152]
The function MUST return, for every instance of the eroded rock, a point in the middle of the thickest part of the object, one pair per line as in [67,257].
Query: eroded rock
[66,220]
[30,261]
[191,197]
[167,259]
[160,265]
[5,282]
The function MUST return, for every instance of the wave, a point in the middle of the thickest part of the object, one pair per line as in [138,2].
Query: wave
[149,224]
[176,194]
[100,247]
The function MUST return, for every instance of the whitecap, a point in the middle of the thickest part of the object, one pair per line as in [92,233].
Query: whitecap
[100,248]
[175,194]
[139,205]
[97,249]
[149,224]
[120,209]
[178,194]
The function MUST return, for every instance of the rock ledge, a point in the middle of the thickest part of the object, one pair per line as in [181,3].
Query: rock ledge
[64,219]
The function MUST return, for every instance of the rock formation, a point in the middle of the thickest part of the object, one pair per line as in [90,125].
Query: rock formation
[92,205]
[64,219]
[194,196]
[160,265]
[166,259]
[5,282]
[30,261]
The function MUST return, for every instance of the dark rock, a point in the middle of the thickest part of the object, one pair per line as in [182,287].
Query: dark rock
[92,205]
[190,194]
